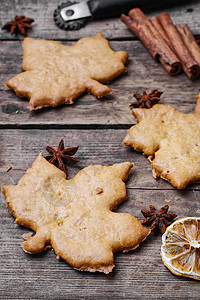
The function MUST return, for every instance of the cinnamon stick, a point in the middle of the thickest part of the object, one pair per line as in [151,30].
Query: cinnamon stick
[174,46]
[138,23]
[157,25]
[190,41]
[189,64]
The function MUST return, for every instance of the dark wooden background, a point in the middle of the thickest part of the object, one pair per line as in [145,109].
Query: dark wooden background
[98,127]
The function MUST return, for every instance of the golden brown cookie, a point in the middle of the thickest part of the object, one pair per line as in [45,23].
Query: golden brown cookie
[171,139]
[56,74]
[75,216]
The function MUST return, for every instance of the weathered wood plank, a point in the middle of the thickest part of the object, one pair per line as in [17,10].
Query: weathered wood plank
[44,26]
[19,148]
[139,274]
[143,73]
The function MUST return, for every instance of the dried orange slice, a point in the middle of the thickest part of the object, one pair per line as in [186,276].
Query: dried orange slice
[180,249]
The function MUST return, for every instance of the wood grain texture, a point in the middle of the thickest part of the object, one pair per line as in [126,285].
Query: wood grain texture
[142,73]
[97,127]
[139,274]
[44,26]
[19,148]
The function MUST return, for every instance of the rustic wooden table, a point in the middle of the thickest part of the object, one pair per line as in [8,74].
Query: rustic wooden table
[98,127]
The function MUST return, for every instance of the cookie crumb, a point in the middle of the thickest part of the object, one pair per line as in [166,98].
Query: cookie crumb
[99,191]
[8,168]
[168,200]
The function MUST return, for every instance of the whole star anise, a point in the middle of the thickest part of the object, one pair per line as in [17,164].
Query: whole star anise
[146,100]
[19,25]
[60,157]
[157,220]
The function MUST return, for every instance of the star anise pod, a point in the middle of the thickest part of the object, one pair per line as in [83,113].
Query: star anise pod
[146,100]
[19,25]
[157,220]
[60,157]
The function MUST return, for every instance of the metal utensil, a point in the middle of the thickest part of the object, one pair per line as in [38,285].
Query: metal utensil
[73,15]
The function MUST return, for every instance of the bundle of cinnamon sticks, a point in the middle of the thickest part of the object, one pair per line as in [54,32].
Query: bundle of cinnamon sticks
[174,46]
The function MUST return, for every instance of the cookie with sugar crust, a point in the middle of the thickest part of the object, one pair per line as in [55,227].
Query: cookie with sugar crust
[57,74]
[75,217]
[171,140]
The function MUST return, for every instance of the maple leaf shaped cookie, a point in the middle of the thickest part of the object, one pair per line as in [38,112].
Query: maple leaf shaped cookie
[56,74]
[171,139]
[75,216]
